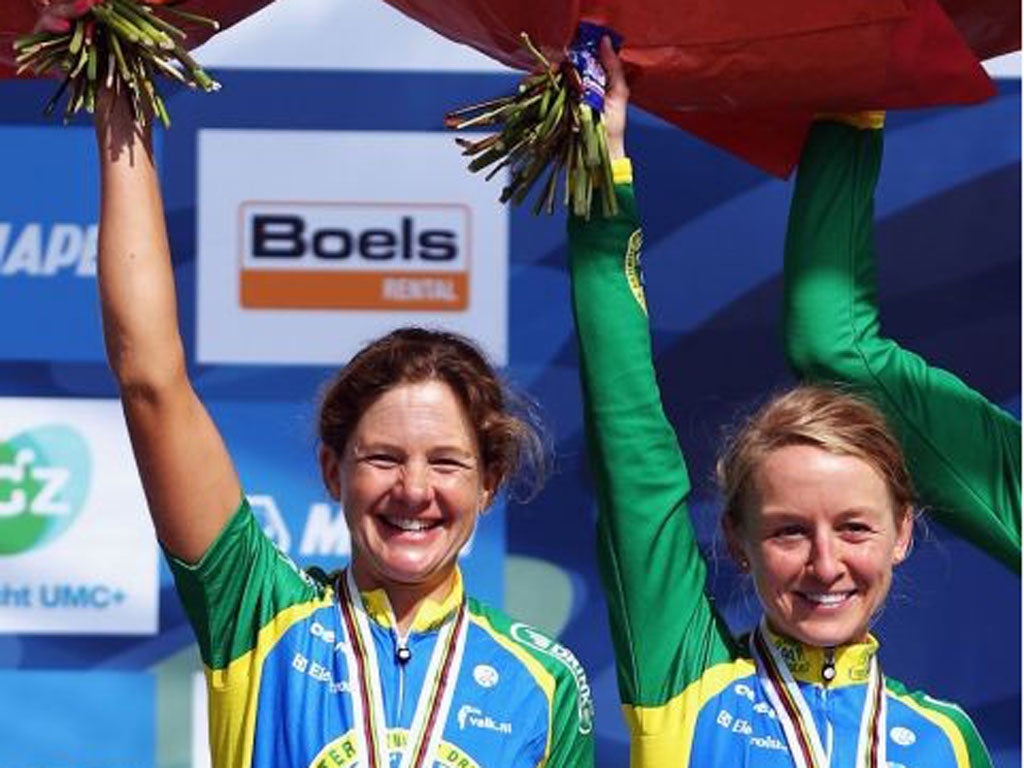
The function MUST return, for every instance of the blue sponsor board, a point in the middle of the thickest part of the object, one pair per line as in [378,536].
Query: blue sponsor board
[949,243]
[77,719]
[275,453]
[48,234]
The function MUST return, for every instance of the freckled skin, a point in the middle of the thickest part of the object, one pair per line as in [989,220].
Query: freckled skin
[821,540]
[413,456]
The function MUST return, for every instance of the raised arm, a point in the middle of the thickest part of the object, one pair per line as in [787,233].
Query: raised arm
[663,627]
[187,474]
[963,451]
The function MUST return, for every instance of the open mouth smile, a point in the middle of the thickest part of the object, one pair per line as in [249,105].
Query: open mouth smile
[827,599]
[409,524]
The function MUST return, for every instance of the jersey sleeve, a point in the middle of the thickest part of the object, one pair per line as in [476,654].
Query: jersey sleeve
[664,629]
[572,721]
[962,735]
[240,586]
[963,451]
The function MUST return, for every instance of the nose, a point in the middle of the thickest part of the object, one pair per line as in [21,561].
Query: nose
[823,559]
[414,486]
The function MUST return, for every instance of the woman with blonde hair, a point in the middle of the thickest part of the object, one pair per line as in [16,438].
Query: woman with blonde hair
[818,510]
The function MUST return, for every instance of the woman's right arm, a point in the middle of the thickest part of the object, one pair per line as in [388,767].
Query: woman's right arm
[663,627]
[188,477]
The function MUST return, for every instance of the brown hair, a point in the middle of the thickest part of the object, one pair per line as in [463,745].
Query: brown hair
[819,416]
[512,446]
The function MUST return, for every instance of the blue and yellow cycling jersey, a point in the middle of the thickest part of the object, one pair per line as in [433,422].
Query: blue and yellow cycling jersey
[691,692]
[271,639]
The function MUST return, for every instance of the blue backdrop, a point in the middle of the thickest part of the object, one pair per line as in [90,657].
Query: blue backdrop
[949,240]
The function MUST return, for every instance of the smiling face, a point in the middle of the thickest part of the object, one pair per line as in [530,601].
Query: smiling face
[411,486]
[820,537]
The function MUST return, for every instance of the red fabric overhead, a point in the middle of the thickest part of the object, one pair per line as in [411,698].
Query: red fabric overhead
[18,17]
[748,76]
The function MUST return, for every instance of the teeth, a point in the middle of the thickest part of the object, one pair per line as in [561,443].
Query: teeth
[827,598]
[409,523]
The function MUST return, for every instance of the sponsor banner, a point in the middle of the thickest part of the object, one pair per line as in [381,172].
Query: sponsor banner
[77,719]
[77,550]
[274,451]
[334,238]
[48,233]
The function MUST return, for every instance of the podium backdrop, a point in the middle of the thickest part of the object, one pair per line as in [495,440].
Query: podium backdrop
[97,665]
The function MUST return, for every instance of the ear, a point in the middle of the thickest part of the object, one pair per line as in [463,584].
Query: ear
[904,535]
[734,542]
[330,465]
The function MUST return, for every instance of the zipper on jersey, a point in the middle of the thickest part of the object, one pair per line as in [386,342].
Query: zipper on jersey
[824,715]
[828,666]
[402,657]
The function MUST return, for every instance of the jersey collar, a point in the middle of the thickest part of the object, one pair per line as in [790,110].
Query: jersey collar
[429,615]
[806,663]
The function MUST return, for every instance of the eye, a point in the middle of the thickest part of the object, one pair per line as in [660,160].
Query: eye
[856,529]
[788,532]
[449,464]
[381,460]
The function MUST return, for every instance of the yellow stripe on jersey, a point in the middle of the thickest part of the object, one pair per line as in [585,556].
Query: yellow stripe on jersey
[622,171]
[234,690]
[944,722]
[662,736]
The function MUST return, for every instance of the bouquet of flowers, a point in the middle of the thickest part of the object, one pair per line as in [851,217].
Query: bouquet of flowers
[749,76]
[552,122]
[119,44]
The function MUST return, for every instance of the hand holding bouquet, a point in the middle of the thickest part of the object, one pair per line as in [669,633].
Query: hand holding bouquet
[553,123]
[117,44]
[123,44]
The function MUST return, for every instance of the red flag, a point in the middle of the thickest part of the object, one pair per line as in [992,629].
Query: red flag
[749,76]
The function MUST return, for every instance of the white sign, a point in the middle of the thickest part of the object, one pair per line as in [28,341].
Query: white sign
[334,238]
[77,550]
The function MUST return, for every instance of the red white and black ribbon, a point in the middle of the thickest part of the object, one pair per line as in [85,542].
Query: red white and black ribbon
[365,680]
[805,743]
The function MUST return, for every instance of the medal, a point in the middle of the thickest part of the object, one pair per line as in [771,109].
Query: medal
[795,717]
[368,698]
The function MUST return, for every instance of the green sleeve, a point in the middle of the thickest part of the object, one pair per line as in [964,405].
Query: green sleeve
[963,451]
[572,722]
[951,719]
[241,583]
[664,629]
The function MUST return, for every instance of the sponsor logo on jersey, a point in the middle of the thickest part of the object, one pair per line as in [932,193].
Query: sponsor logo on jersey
[902,736]
[485,675]
[768,742]
[354,255]
[319,673]
[473,717]
[343,752]
[743,727]
[527,635]
[44,483]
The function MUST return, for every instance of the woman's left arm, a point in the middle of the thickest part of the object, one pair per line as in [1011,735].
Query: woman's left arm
[962,450]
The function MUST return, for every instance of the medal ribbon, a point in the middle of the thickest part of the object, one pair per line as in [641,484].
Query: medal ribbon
[795,717]
[368,698]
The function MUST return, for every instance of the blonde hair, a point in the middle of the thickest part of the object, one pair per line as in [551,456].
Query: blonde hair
[819,416]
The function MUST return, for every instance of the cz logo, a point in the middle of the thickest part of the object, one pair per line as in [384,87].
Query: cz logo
[44,481]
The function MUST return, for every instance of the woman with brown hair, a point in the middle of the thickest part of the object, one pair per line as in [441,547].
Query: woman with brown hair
[388,662]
